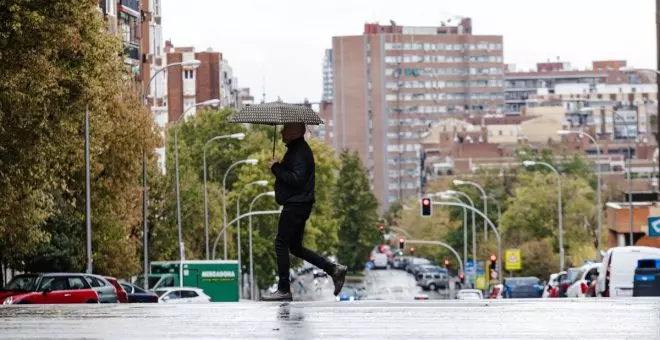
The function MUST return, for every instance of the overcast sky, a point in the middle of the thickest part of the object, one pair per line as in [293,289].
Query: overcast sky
[279,45]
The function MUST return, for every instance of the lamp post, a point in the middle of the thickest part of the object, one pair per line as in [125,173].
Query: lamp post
[598,188]
[269,193]
[489,222]
[458,182]
[238,231]
[238,136]
[559,208]
[474,228]
[178,183]
[145,195]
[465,223]
[224,200]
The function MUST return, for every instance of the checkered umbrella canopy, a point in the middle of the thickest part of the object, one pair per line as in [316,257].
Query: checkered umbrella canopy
[276,113]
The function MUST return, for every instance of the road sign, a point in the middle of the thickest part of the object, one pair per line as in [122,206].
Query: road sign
[512,259]
[480,268]
[481,282]
[654,226]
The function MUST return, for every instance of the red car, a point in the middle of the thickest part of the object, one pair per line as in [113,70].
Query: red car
[122,296]
[48,289]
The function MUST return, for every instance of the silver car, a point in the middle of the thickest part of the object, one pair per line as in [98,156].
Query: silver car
[104,289]
[433,280]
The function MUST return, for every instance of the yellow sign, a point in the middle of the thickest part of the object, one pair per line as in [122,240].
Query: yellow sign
[512,259]
[481,282]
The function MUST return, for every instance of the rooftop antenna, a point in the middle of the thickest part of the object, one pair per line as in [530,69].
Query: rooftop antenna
[263,88]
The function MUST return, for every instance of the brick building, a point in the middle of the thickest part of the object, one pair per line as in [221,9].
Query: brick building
[392,82]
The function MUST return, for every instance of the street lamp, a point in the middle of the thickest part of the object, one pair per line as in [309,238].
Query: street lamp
[224,198]
[239,136]
[459,182]
[474,228]
[145,195]
[559,210]
[269,193]
[445,196]
[628,170]
[238,231]
[598,174]
[178,183]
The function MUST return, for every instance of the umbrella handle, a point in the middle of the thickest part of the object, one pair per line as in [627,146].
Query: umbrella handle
[274,139]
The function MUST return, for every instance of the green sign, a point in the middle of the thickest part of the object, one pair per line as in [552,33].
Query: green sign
[218,279]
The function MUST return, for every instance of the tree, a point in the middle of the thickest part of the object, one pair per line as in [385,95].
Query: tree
[356,208]
[73,65]
[532,212]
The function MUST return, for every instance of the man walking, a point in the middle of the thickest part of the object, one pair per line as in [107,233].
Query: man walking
[294,190]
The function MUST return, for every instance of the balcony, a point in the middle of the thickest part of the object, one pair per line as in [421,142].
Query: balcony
[131,53]
[131,7]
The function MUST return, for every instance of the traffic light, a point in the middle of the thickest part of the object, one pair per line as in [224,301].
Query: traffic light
[401,243]
[447,263]
[381,227]
[412,251]
[493,267]
[426,207]
[381,249]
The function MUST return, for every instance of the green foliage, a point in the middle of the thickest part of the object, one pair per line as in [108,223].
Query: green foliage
[356,208]
[58,62]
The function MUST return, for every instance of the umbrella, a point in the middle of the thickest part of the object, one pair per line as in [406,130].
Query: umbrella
[276,113]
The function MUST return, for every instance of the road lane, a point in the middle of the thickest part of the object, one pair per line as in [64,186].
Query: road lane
[501,319]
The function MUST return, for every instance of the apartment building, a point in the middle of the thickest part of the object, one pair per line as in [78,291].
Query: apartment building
[392,82]
[520,85]
[328,93]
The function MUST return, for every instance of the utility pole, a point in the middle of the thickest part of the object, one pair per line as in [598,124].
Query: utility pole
[657,77]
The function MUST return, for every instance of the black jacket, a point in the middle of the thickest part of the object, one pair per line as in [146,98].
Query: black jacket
[294,175]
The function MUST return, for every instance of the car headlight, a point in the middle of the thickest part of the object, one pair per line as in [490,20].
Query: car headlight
[351,299]
[8,300]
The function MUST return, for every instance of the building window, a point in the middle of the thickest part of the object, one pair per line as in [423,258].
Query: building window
[188,74]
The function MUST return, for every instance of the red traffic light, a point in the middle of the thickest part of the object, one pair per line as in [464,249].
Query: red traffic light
[461,276]
[426,202]
[381,249]
[381,227]
[493,258]
[446,262]
[400,240]
[412,250]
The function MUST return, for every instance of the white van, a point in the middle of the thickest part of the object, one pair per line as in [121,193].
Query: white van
[380,261]
[617,273]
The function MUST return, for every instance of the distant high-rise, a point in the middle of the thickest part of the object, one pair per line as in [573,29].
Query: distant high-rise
[392,82]
[327,76]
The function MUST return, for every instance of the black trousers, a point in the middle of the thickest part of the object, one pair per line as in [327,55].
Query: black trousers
[289,238]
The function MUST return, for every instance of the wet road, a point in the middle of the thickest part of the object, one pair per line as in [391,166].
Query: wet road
[398,285]
[522,319]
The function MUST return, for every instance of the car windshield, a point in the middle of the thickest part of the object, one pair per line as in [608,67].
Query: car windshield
[469,295]
[153,280]
[573,273]
[22,283]
[522,281]
[160,292]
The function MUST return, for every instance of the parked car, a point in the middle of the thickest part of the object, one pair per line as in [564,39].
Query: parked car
[432,280]
[580,287]
[137,294]
[469,294]
[618,270]
[106,291]
[122,295]
[182,295]
[53,288]
[566,281]
[550,290]
[522,287]
[348,294]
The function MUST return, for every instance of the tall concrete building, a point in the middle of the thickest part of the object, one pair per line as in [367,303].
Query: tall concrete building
[327,77]
[392,82]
